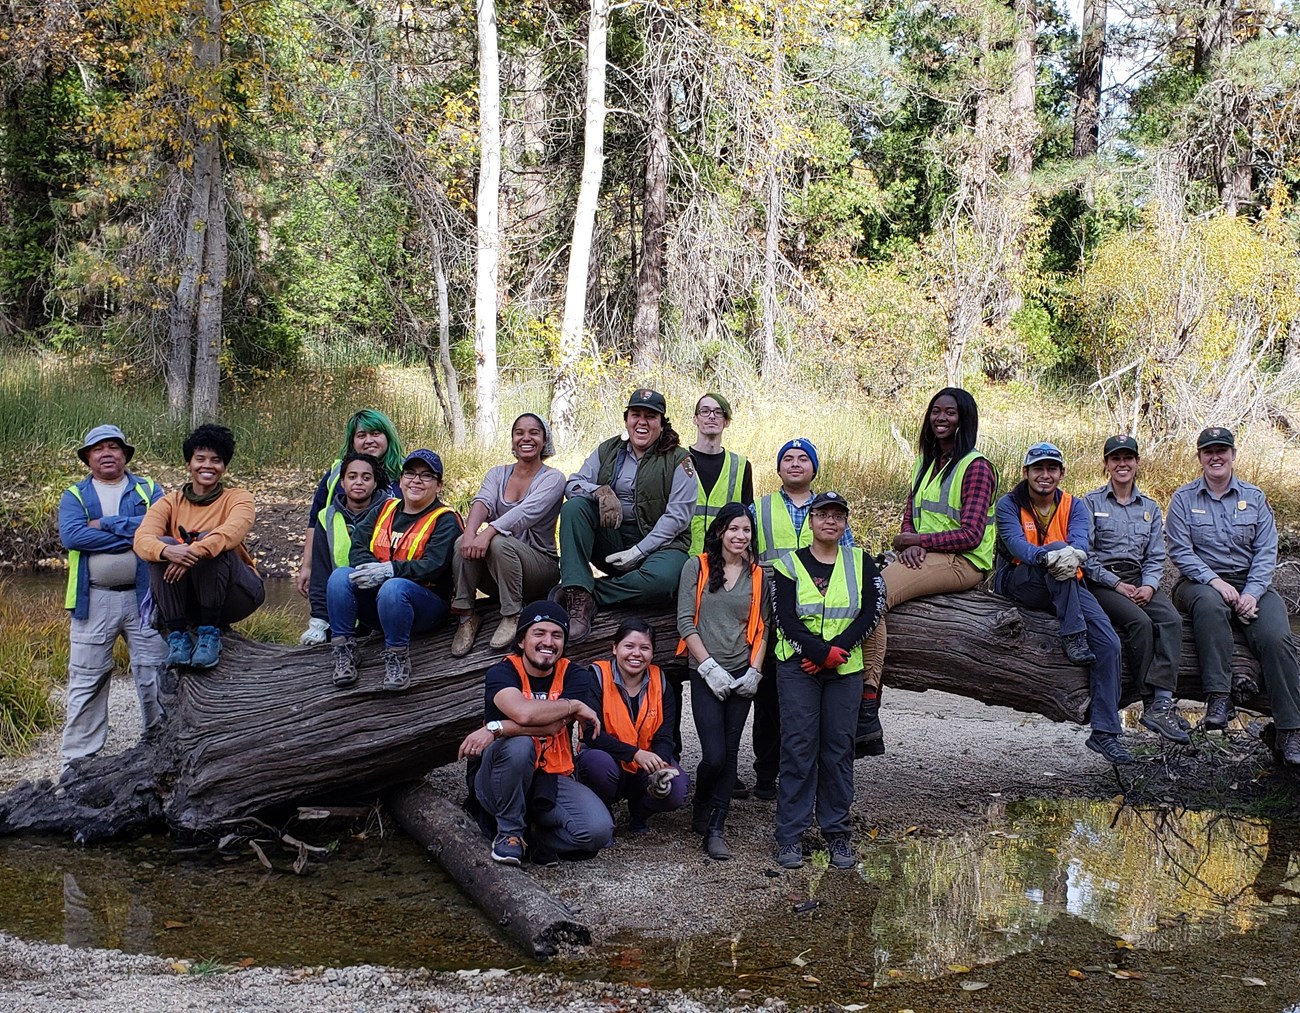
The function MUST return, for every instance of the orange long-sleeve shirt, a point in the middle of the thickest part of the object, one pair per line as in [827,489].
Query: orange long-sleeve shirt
[224,524]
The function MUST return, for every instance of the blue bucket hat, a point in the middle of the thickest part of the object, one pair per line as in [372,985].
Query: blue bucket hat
[98,435]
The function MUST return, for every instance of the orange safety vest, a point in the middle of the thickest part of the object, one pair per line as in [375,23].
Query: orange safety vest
[554,752]
[409,545]
[1057,531]
[755,628]
[617,718]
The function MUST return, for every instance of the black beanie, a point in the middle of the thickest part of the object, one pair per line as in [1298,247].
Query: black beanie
[542,612]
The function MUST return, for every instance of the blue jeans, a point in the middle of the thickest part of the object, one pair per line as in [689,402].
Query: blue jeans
[398,606]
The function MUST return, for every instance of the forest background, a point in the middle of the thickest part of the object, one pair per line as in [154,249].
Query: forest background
[277,211]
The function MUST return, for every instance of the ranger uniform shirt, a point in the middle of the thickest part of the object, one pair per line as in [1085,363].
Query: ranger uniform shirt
[1129,533]
[1210,535]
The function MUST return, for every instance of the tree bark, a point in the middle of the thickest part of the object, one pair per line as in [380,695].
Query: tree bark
[775,197]
[1087,89]
[487,264]
[456,410]
[654,210]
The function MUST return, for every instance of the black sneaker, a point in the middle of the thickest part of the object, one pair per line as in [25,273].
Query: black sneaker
[740,789]
[765,790]
[1075,646]
[1288,746]
[508,849]
[1107,744]
[1218,712]
[841,852]
[1162,718]
[869,739]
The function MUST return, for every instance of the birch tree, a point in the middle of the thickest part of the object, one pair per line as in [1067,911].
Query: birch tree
[488,261]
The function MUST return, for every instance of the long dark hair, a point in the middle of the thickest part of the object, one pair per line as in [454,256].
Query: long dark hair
[668,439]
[968,430]
[713,542]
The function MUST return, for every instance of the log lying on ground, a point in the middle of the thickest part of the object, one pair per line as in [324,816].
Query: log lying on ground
[528,913]
[267,729]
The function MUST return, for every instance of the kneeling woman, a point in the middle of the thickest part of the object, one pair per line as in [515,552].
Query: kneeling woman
[632,756]
[399,580]
[201,576]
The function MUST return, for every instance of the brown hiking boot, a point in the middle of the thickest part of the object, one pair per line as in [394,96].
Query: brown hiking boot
[581,606]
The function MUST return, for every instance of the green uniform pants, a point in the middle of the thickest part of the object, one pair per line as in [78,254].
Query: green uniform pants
[584,542]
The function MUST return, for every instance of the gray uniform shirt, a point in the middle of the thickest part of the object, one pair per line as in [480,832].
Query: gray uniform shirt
[531,519]
[1130,533]
[681,497]
[1210,535]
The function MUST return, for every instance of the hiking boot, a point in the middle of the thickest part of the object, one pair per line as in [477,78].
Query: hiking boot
[345,662]
[1288,746]
[1107,744]
[740,789]
[466,630]
[506,633]
[508,849]
[542,857]
[714,844]
[1075,646]
[207,652]
[181,649]
[397,669]
[1218,712]
[765,790]
[581,606]
[869,740]
[1161,717]
[790,856]
[700,816]
[841,851]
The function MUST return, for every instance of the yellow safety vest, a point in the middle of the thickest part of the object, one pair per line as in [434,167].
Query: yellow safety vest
[74,555]
[775,532]
[725,490]
[936,507]
[830,615]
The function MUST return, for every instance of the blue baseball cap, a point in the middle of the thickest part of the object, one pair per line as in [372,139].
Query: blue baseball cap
[426,456]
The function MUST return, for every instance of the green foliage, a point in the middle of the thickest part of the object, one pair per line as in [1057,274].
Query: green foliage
[33,658]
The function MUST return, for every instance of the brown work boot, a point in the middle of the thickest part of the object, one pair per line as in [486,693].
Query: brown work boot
[581,606]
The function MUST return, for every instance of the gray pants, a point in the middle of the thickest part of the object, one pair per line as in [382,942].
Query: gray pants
[819,716]
[516,572]
[578,823]
[1268,637]
[1152,637]
[90,670]
[215,592]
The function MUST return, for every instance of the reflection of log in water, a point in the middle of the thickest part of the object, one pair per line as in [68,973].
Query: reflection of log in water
[1283,843]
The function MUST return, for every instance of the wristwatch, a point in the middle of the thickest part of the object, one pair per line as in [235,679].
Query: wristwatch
[496,728]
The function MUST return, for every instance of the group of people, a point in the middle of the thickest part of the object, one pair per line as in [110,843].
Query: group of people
[777,607]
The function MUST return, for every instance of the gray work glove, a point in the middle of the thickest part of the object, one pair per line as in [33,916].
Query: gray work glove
[747,685]
[1064,563]
[660,783]
[717,678]
[628,559]
[316,633]
[611,510]
[369,575]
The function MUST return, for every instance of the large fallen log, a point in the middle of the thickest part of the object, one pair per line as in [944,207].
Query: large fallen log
[267,729]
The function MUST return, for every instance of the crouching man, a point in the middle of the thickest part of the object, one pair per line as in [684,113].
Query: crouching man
[524,783]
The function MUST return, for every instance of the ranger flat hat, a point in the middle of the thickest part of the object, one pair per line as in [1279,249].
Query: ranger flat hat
[1215,436]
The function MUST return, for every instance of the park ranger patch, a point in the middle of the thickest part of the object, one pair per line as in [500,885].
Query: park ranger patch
[688,465]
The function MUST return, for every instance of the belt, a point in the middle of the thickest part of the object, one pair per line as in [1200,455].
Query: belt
[115,587]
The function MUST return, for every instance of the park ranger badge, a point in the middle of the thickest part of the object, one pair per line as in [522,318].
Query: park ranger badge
[1146,516]
[1242,504]
[688,465]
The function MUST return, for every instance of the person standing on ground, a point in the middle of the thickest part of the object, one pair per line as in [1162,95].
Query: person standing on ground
[724,477]
[108,585]
[1223,539]
[1042,541]
[1123,570]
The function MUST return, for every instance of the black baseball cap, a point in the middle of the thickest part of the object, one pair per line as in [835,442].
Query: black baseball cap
[1120,442]
[1215,436]
[644,397]
[828,499]
[542,612]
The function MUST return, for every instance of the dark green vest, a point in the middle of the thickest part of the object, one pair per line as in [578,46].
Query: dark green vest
[654,481]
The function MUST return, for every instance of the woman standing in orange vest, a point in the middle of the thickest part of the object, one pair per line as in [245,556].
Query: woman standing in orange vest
[399,580]
[632,757]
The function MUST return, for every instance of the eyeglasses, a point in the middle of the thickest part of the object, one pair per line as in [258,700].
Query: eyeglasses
[423,477]
[1040,451]
[710,413]
[835,515]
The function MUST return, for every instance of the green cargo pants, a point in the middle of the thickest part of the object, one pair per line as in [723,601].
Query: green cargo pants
[584,542]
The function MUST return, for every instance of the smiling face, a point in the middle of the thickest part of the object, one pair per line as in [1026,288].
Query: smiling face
[375,444]
[828,524]
[1216,462]
[420,487]
[644,427]
[358,483]
[106,460]
[1122,467]
[943,418]
[796,469]
[709,420]
[206,468]
[527,439]
[738,536]
[1044,476]
[634,652]
[541,646]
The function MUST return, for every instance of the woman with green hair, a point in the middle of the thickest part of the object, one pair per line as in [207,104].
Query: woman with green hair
[368,432]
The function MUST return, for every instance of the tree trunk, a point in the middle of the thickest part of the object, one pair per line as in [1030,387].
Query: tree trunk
[1087,89]
[1024,75]
[775,198]
[456,410]
[208,330]
[564,401]
[487,264]
[654,209]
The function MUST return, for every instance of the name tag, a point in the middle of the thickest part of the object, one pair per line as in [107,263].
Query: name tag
[1101,513]
[1197,510]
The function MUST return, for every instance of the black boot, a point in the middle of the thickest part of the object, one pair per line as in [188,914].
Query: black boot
[700,814]
[715,845]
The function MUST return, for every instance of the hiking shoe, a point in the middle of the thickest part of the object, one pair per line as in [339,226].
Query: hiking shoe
[462,642]
[636,824]
[765,790]
[715,846]
[345,662]
[1107,744]
[1287,748]
[181,649]
[506,633]
[543,857]
[1162,718]
[581,606]
[1075,646]
[508,849]
[397,670]
[790,856]
[869,740]
[207,652]
[841,851]
[740,789]
[1218,712]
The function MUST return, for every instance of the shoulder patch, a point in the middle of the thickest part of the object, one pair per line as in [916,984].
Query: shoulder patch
[688,465]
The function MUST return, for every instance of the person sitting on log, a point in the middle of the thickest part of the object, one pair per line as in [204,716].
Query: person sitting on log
[828,599]
[508,548]
[947,537]
[1043,536]
[363,482]
[723,610]
[1223,539]
[521,765]
[201,576]
[108,586]
[1123,572]
[631,756]
[628,513]
[779,526]
[368,432]
[399,575]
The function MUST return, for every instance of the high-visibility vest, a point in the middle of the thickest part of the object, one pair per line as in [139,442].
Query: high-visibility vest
[409,545]
[338,532]
[554,752]
[775,532]
[616,718]
[936,506]
[755,628]
[144,487]
[829,615]
[1057,531]
[725,490]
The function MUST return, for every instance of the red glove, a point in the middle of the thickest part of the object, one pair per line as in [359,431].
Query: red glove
[810,666]
[836,656]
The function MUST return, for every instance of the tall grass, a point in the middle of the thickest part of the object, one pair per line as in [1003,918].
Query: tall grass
[33,658]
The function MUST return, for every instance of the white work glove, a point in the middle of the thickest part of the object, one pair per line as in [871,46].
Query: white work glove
[717,678]
[660,783]
[1063,563]
[370,574]
[625,560]
[611,510]
[747,685]
[315,634]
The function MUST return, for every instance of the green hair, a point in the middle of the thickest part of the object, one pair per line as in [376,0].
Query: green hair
[370,421]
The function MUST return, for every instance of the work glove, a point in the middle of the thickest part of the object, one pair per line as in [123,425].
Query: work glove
[835,657]
[810,666]
[625,560]
[660,783]
[369,575]
[717,678]
[611,510]
[1064,563]
[747,685]
[315,633]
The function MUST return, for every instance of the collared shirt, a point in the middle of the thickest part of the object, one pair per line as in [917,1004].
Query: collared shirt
[799,514]
[1212,535]
[1131,533]
[681,495]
